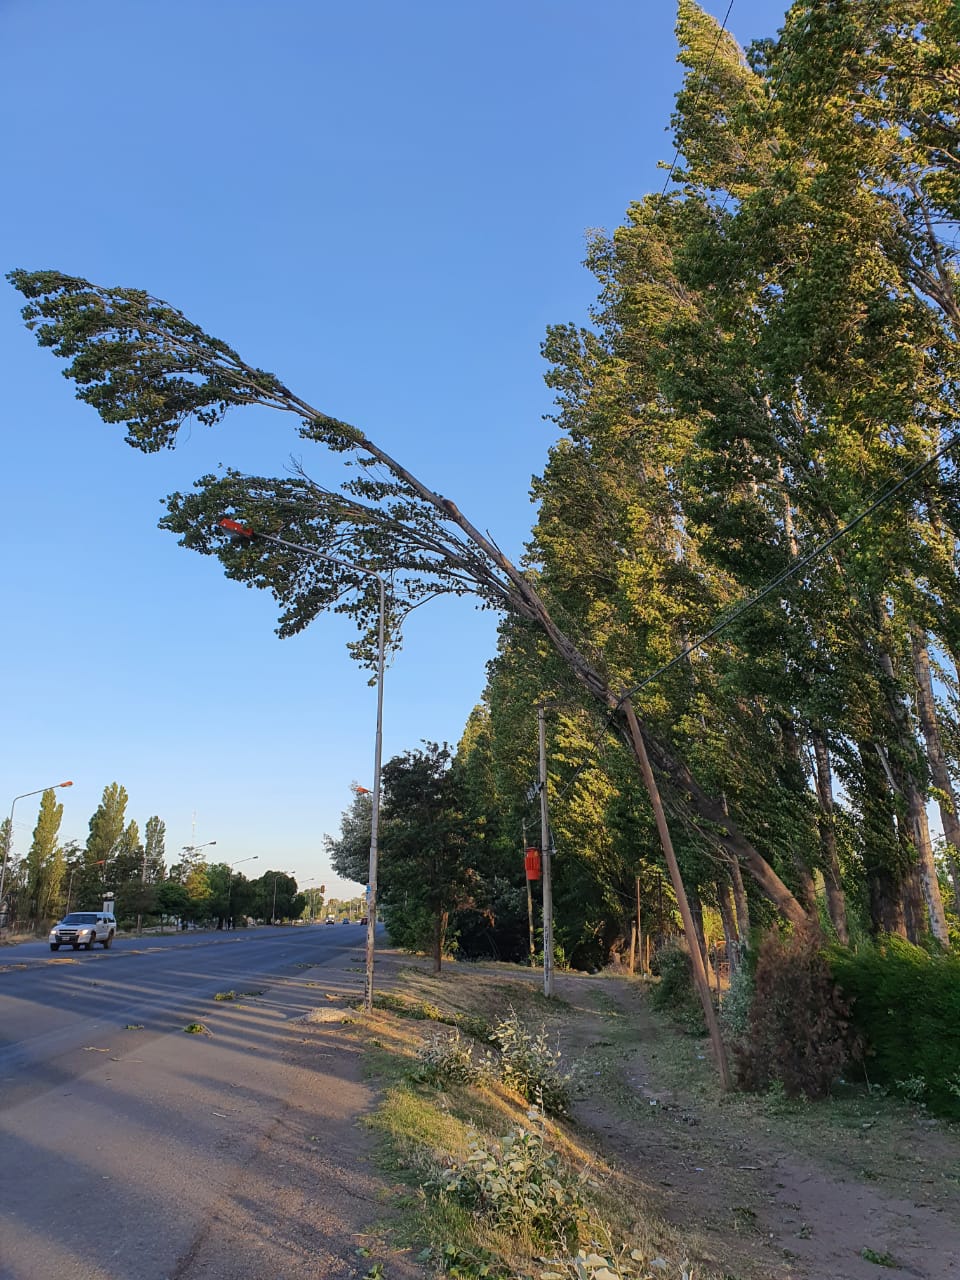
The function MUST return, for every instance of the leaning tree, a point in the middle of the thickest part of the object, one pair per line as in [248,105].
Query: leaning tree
[140,362]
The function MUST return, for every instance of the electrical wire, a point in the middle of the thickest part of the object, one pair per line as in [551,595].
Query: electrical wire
[700,87]
[745,606]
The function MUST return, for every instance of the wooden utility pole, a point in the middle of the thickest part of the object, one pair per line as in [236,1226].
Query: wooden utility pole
[639,927]
[533,944]
[545,850]
[693,944]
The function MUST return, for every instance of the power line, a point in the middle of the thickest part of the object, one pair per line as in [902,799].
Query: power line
[793,569]
[700,87]
[738,612]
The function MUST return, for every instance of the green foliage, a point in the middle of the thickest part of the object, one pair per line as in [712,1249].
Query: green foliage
[800,1034]
[675,993]
[529,1065]
[602,1260]
[906,1006]
[882,1259]
[422,1010]
[735,1010]
[45,861]
[518,1185]
[469,1264]
[349,853]
[448,1059]
[109,335]
[424,871]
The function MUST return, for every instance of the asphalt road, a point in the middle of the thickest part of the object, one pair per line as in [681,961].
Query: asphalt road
[126,1141]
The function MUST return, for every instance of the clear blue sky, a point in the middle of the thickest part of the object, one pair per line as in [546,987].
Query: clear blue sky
[384,204]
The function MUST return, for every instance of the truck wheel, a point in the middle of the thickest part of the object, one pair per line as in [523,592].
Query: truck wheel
[108,941]
[88,946]
[54,946]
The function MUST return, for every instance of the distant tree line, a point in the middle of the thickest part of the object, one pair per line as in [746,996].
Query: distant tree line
[54,876]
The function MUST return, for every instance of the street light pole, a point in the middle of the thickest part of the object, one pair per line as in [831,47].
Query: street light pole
[276,877]
[230,866]
[244,531]
[312,880]
[8,843]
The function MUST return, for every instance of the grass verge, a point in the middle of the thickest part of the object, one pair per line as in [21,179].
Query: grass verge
[497,1188]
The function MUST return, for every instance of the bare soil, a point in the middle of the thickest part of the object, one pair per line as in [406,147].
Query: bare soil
[791,1191]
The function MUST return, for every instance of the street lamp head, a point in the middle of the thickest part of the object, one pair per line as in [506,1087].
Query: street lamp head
[237,530]
[64,784]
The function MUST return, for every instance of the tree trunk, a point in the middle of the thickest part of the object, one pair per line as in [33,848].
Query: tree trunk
[881,845]
[806,889]
[916,812]
[696,959]
[696,911]
[439,930]
[926,867]
[740,899]
[936,758]
[836,902]
[728,916]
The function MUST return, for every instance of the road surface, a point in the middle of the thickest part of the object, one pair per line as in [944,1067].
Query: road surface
[132,1150]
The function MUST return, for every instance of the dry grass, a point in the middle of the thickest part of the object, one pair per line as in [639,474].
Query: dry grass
[426,1129]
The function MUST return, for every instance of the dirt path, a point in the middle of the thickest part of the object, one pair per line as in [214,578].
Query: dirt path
[811,1193]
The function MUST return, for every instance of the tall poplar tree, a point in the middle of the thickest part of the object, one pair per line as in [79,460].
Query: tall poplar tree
[45,863]
[107,827]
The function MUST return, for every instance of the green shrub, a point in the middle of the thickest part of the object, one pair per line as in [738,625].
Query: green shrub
[735,1010]
[475,1025]
[529,1065]
[675,993]
[906,1006]
[518,1185]
[447,1059]
[800,1033]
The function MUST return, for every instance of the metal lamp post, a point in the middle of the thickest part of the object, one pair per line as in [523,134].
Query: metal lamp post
[192,848]
[8,843]
[312,880]
[230,866]
[276,877]
[243,531]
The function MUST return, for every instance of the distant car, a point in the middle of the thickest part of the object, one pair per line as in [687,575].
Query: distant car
[345,920]
[330,920]
[82,929]
[362,920]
